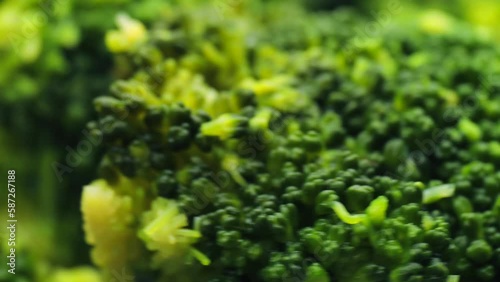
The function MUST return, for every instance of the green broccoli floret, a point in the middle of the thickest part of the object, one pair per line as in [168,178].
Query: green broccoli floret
[257,157]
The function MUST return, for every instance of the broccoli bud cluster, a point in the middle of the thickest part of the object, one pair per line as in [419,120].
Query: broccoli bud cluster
[246,149]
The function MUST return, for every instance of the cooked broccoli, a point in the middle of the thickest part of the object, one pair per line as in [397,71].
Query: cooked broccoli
[246,149]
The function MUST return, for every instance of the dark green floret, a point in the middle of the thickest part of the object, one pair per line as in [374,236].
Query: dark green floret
[272,154]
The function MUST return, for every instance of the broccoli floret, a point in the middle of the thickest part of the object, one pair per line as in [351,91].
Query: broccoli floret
[256,158]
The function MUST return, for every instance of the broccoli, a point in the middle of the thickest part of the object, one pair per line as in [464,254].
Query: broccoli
[53,65]
[244,149]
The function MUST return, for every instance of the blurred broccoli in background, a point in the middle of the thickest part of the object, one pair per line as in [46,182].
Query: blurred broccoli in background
[253,140]
[54,62]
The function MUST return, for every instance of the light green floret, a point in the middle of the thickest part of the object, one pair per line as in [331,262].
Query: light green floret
[437,193]
[345,216]
[470,129]
[164,231]
[261,119]
[375,212]
[224,127]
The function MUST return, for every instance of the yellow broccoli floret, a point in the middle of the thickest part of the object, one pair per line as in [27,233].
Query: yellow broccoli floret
[130,34]
[107,220]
